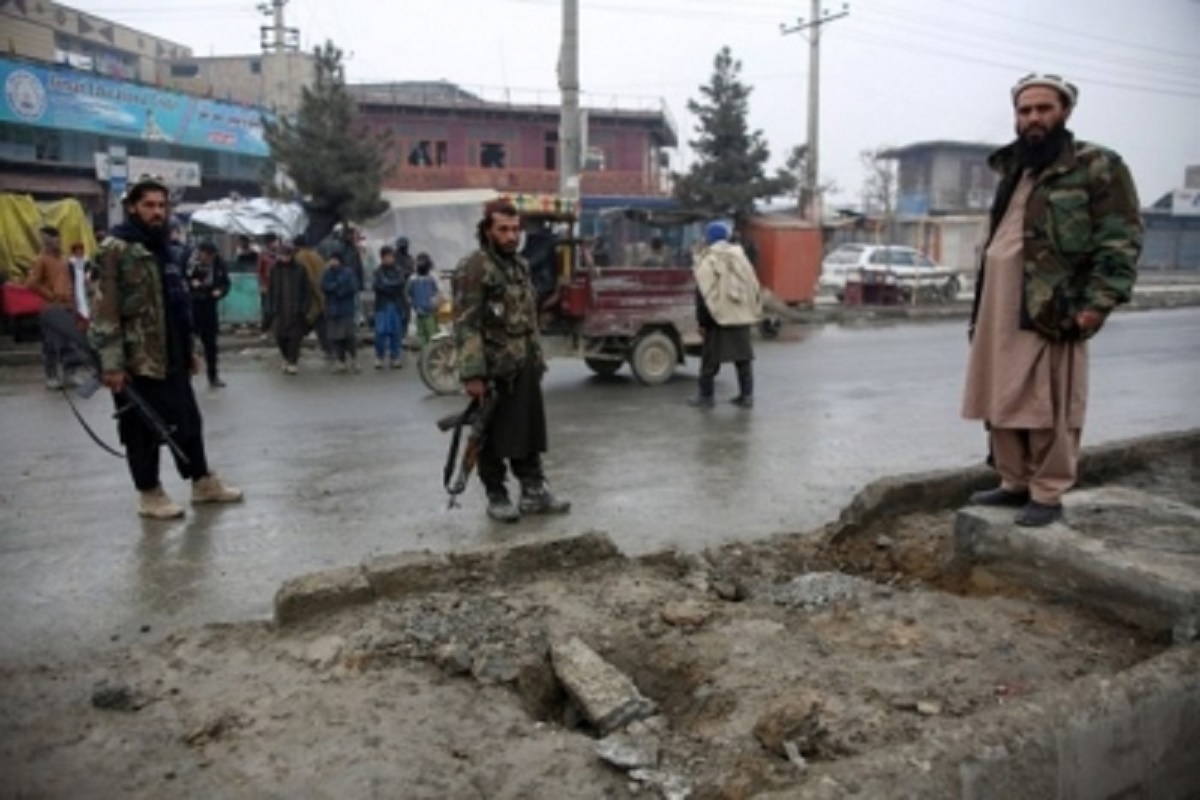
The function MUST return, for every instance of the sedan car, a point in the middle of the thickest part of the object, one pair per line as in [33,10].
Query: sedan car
[907,267]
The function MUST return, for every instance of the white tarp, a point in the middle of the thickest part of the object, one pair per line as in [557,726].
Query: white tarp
[252,217]
[441,224]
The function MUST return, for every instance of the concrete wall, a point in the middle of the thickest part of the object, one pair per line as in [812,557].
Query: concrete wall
[273,81]
[28,30]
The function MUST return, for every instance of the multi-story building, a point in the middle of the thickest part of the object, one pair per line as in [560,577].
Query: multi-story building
[79,86]
[943,178]
[273,81]
[445,137]
[52,33]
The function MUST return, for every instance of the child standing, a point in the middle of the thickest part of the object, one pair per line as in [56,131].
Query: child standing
[422,296]
[340,289]
[390,320]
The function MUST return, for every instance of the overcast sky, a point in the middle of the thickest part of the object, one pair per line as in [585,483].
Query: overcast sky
[893,71]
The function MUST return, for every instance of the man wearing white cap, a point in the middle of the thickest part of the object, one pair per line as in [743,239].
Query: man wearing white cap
[1065,238]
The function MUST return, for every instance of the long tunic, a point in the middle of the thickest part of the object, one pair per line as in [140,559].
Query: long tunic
[1016,378]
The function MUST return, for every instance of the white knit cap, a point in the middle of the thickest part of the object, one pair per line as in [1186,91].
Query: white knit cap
[1056,82]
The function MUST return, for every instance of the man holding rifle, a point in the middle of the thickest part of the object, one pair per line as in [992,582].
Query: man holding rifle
[501,365]
[142,333]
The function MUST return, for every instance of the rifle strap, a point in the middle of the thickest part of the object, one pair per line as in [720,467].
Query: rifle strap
[88,428]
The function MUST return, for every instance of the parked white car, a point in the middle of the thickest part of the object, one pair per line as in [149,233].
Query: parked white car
[907,267]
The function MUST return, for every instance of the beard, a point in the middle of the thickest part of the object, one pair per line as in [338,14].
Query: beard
[1036,152]
[505,249]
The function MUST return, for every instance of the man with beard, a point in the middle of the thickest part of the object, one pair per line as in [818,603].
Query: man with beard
[1065,238]
[501,361]
[141,330]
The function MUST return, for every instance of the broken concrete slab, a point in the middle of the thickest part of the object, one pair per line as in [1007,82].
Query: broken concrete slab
[626,751]
[606,696]
[1118,549]
[519,561]
[321,593]
[406,574]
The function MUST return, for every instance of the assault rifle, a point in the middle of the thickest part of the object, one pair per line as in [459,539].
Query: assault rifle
[476,418]
[61,331]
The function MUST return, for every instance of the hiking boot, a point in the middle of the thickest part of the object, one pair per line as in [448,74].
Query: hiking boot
[210,489]
[701,401]
[155,504]
[501,508]
[1000,497]
[743,401]
[1038,515]
[537,499]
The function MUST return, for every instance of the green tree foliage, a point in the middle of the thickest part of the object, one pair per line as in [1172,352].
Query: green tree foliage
[730,169]
[335,163]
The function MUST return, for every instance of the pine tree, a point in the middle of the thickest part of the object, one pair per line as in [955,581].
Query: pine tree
[730,170]
[336,164]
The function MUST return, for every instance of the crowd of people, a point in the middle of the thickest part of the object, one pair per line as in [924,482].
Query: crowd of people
[305,289]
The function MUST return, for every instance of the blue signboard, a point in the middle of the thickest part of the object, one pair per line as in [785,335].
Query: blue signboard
[74,100]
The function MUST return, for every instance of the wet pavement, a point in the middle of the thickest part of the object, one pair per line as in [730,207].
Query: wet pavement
[341,467]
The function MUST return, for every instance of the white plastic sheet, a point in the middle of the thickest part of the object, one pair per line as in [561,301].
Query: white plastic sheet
[254,217]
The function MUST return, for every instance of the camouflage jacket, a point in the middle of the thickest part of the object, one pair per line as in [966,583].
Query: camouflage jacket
[129,324]
[497,324]
[1083,235]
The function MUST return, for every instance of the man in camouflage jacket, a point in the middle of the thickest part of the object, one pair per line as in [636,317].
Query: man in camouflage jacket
[501,364]
[1065,238]
[141,331]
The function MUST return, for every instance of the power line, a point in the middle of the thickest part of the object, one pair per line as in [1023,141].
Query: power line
[937,28]
[1066,31]
[1009,65]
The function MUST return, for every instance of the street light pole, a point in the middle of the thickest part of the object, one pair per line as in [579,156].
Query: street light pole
[569,133]
[810,205]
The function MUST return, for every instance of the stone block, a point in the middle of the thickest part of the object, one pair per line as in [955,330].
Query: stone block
[406,574]
[321,593]
[520,561]
[1118,549]
[606,696]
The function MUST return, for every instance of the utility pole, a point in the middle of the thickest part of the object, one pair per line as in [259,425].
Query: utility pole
[810,205]
[277,37]
[570,129]
[278,43]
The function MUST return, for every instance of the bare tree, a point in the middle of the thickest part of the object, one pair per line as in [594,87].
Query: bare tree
[880,186]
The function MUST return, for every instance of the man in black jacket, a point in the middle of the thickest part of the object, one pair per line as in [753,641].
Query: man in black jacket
[208,283]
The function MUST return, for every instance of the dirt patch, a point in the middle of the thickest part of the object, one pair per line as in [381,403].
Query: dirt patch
[769,664]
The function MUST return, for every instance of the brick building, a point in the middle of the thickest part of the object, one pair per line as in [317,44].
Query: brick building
[449,138]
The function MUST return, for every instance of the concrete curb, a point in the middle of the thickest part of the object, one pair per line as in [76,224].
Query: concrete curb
[406,574]
[1128,735]
[836,315]
[927,492]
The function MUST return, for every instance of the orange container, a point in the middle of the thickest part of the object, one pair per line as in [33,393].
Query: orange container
[789,256]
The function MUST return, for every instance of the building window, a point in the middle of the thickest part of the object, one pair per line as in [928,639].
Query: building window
[256,67]
[185,70]
[551,151]
[493,155]
[428,153]
[595,160]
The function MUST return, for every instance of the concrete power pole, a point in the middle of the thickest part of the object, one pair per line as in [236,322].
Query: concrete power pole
[570,135]
[810,201]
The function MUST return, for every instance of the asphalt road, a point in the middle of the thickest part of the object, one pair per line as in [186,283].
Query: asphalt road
[339,468]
